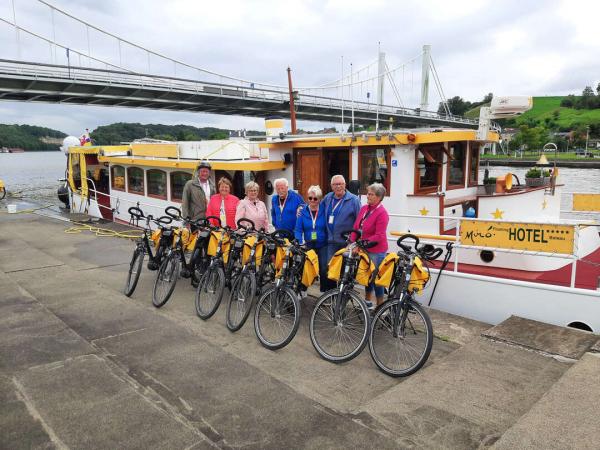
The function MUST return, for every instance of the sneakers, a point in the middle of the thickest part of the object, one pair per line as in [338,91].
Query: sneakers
[370,305]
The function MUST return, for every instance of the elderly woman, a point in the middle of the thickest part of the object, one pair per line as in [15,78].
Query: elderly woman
[311,229]
[373,220]
[252,208]
[223,204]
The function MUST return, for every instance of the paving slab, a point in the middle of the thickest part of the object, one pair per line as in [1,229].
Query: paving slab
[87,405]
[552,339]
[565,417]
[468,399]
[19,429]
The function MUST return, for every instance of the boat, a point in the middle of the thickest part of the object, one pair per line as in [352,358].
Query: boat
[512,252]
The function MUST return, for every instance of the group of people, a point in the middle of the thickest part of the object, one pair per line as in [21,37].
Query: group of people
[318,223]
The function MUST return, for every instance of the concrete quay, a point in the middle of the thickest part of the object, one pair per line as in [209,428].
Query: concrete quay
[83,366]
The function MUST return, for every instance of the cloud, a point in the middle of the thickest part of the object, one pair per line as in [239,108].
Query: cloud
[513,47]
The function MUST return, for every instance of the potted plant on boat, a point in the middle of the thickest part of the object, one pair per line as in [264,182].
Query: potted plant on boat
[533,177]
[490,185]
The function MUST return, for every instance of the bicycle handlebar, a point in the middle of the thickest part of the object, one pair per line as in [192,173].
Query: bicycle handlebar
[173,212]
[242,220]
[136,212]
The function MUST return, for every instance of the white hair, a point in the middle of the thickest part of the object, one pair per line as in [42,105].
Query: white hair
[281,180]
[378,189]
[315,189]
[338,176]
[251,185]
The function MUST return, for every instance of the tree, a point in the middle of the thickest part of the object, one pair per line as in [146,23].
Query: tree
[598,89]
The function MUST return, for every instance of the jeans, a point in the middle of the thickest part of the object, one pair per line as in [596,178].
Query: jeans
[379,290]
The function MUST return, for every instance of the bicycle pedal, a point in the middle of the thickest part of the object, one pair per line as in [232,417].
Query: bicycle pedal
[152,265]
[185,273]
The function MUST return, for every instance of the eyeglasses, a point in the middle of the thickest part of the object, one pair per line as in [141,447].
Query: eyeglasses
[338,184]
[313,198]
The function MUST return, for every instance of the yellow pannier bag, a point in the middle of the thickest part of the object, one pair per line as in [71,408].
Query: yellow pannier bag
[311,268]
[213,244]
[260,248]
[418,277]
[363,274]
[280,252]
[156,237]
[187,238]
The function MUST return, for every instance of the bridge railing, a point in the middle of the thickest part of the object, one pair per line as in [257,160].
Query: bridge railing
[115,77]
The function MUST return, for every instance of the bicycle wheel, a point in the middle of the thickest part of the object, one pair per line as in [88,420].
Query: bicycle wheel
[210,292]
[277,317]
[240,300]
[166,279]
[2,193]
[404,354]
[343,340]
[135,268]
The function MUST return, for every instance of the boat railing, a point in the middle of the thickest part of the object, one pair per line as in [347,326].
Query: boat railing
[458,243]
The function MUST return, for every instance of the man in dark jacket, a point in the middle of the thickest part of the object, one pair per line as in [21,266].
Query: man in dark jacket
[197,192]
[285,206]
[341,208]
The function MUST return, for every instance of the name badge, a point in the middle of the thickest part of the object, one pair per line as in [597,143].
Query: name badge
[313,236]
[331,219]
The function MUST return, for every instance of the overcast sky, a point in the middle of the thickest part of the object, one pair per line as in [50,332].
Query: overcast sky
[508,47]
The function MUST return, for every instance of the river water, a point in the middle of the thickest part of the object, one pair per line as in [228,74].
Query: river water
[33,176]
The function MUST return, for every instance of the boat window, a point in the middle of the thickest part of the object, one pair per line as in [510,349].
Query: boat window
[428,174]
[373,167]
[135,180]
[157,183]
[457,156]
[473,163]
[118,177]
[178,180]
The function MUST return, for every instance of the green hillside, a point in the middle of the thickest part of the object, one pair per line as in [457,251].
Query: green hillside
[549,109]
[29,137]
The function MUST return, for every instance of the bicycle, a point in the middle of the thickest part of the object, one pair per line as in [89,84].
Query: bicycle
[339,324]
[244,285]
[401,334]
[176,265]
[224,248]
[278,310]
[163,238]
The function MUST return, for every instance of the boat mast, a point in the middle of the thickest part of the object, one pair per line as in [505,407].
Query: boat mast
[292,108]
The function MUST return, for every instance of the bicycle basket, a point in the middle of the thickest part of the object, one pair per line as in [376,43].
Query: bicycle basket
[213,244]
[363,274]
[419,276]
[311,268]
[260,247]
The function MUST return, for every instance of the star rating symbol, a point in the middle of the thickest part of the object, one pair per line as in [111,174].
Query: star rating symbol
[424,211]
[497,214]
[544,204]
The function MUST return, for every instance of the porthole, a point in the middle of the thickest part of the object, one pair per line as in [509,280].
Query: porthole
[487,256]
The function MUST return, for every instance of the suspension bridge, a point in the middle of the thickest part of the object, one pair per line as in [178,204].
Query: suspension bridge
[68,74]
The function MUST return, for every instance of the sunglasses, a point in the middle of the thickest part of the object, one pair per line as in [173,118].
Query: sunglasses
[313,198]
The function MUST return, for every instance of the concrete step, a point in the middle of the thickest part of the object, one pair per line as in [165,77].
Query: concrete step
[468,399]
[565,417]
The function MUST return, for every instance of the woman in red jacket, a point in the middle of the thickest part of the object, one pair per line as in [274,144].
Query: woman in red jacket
[223,204]
[373,220]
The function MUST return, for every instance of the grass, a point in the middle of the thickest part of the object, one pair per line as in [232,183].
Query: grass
[544,107]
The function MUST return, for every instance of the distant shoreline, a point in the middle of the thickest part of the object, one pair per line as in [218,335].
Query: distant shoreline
[593,164]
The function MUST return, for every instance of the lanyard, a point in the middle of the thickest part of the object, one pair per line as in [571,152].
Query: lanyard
[282,207]
[314,218]
[367,213]
[334,207]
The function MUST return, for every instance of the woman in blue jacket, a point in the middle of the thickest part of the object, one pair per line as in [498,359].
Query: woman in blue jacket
[311,230]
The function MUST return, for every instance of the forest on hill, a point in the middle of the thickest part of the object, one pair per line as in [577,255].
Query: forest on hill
[30,137]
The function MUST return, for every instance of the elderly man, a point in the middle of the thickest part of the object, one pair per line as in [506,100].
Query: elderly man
[197,193]
[341,209]
[285,206]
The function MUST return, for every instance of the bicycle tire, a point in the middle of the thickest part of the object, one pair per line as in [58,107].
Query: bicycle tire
[386,349]
[135,269]
[241,299]
[356,314]
[209,292]
[2,193]
[287,307]
[166,279]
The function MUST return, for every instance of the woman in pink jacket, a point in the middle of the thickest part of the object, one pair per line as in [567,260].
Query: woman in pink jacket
[252,208]
[224,204]
[373,220]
